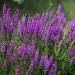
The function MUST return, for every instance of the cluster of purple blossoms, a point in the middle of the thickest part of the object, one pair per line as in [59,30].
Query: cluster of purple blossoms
[72,55]
[43,26]
[71,32]
[54,29]
[17,70]
[3,47]
[33,27]
[33,54]
[9,23]
[47,27]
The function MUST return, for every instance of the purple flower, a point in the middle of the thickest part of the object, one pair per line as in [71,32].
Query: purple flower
[19,30]
[4,12]
[15,17]
[8,18]
[72,61]
[36,56]
[17,70]
[31,66]
[33,47]
[21,50]
[4,9]
[11,45]
[53,69]
[29,23]
[36,17]
[23,24]
[41,61]
[44,17]
[3,46]
[51,60]
[13,21]
[46,63]
[13,58]
[52,73]
[71,34]
[29,50]
[72,51]
[27,72]
[72,24]
[59,9]
[11,27]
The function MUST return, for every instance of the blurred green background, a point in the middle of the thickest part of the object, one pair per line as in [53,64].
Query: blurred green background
[39,6]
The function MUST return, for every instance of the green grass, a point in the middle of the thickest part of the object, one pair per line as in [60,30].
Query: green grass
[69,8]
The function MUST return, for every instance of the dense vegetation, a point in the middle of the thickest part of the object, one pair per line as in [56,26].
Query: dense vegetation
[42,44]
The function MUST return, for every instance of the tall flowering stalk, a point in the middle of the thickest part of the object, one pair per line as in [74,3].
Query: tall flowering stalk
[40,38]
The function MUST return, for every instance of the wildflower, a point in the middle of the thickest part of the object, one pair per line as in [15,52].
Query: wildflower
[41,61]
[27,73]
[17,70]
[11,45]
[31,66]
[72,51]
[36,56]
[72,24]
[46,63]
[3,46]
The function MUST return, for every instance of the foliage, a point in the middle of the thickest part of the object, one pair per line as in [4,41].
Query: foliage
[41,44]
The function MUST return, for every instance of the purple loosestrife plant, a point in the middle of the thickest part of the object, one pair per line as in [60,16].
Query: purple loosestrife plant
[36,56]
[72,55]
[31,66]
[3,47]
[53,69]
[72,51]
[17,70]
[40,37]
[11,45]
[54,29]
[8,24]
[41,62]
[71,32]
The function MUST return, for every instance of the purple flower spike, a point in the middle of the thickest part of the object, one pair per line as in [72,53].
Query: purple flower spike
[33,47]
[36,56]
[15,17]
[53,69]
[44,17]
[51,60]
[4,9]
[59,9]
[12,58]
[11,45]
[41,61]
[46,63]
[3,46]
[52,73]
[23,24]
[31,66]
[36,17]
[29,50]
[17,70]
[71,32]
[21,50]
[72,24]
[27,73]
[19,30]
[72,51]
